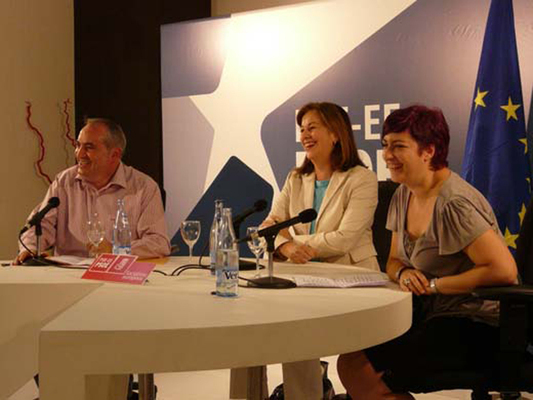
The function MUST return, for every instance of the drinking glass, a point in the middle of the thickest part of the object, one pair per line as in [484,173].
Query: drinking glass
[257,246]
[95,233]
[190,232]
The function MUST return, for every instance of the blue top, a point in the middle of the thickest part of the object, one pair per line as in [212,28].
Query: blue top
[320,191]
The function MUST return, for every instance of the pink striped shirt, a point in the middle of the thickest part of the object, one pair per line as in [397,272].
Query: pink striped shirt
[65,226]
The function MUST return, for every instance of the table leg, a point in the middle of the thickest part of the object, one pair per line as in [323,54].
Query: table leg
[146,387]
[237,383]
[249,383]
[302,380]
[257,383]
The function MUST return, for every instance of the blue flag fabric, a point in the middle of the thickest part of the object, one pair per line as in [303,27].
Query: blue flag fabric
[496,159]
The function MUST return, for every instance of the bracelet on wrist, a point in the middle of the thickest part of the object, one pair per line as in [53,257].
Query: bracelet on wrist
[433,286]
[400,270]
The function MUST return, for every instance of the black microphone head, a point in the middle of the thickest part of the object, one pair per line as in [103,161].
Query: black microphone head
[260,205]
[53,201]
[307,215]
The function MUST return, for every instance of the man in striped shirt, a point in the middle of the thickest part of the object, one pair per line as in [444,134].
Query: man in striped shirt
[93,186]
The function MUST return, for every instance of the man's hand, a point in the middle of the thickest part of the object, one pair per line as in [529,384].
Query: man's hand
[22,256]
[104,247]
[298,253]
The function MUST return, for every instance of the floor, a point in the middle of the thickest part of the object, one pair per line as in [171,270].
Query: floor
[214,385]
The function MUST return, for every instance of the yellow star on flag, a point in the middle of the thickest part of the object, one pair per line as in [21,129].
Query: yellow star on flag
[511,108]
[522,213]
[510,239]
[479,99]
[524,140]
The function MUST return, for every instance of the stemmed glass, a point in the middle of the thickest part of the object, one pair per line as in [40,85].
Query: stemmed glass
[257,246]
[190,232]
[95,233]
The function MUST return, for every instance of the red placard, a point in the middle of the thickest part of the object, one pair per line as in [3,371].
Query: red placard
[119,268]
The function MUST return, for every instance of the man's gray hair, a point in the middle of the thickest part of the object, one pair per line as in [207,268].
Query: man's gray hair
[115,136]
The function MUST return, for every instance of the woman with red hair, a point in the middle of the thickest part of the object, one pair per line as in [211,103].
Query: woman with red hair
[445,243]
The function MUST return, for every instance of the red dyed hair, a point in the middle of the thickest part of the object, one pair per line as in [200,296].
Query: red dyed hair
[427,126]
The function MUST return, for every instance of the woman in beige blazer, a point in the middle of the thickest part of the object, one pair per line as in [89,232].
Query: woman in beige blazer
[333,180]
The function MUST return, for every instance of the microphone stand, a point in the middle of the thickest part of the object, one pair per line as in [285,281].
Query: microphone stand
[37,260]
[271,281]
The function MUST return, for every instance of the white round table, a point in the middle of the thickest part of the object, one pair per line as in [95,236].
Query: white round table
[175,324]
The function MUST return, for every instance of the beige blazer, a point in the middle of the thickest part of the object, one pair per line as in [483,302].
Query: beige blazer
[344,222]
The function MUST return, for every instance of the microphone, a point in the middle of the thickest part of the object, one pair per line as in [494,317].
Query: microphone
[53,202]
[258,206]
[304,217]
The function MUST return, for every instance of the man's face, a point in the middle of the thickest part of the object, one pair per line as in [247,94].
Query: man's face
[96,162]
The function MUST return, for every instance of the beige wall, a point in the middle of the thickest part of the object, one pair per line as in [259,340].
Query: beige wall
[37,53]
[224,7]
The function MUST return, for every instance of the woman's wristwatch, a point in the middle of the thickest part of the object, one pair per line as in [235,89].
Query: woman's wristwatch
[433,286]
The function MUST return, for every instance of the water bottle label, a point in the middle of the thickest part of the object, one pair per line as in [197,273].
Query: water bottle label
[121,250]
[227,273]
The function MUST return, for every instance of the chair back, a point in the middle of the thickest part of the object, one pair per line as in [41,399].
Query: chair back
[524,259]
[524,247]
[380,235]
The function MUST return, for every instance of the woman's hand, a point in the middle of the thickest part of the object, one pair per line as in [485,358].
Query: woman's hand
[412,280]
[297,253]
[272,220]
[269,222]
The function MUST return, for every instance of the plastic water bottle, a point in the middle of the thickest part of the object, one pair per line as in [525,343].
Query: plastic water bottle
[227,260]
[213,236]
[121,231]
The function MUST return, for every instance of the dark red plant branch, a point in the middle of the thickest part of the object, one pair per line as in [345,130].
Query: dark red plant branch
[42,151]
[67,123]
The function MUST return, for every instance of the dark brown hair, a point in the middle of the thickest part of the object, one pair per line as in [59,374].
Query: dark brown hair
[344,155]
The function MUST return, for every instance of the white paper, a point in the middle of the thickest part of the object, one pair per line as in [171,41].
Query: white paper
[372,279]
[71,260]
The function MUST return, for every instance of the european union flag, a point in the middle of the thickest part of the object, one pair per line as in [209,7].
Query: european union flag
[495,159]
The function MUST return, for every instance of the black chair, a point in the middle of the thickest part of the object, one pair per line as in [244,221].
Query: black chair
[380,235]
[514,371]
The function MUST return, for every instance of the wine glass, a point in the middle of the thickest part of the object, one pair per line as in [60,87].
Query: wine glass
[95,233]
[257,246]
[190,232]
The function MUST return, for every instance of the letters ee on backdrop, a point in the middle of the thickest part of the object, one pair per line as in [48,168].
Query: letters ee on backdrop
[231,86]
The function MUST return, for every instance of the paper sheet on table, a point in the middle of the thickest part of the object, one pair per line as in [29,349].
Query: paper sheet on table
[357,280]
[71,260]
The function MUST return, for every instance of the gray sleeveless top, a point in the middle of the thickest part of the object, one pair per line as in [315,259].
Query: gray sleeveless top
[461,215]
